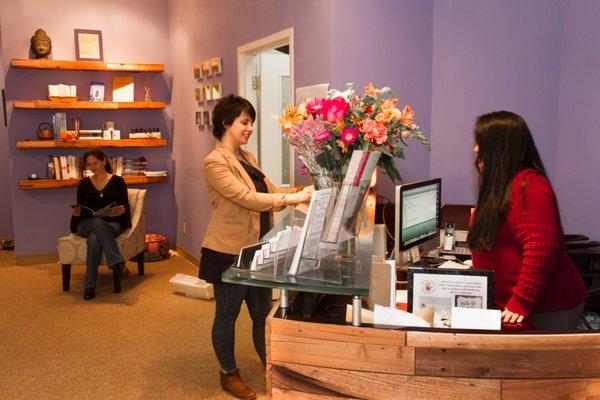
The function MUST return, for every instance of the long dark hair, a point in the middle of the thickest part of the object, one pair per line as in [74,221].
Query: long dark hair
[505,148]
[99,154]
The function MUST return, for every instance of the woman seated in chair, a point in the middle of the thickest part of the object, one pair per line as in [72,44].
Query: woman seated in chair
[102,190]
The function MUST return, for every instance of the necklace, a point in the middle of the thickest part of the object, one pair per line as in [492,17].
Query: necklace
[104,184]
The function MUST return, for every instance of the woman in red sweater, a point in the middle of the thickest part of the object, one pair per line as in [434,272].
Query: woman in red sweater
[516,230]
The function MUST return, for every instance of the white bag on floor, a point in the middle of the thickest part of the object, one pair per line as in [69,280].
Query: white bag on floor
[192,286]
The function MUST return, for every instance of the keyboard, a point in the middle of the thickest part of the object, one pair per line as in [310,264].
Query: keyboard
[457,251]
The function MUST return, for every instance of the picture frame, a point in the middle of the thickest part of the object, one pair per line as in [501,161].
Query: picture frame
[88,45]
[207,117]
[215,65]
[442,289]
[216,91]
[199,94]
[206,72]
[198,71]
[96,91]
[206,92]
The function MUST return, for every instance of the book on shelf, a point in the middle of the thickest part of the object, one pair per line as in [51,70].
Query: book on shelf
[105,211]
[122,88]
[155,173]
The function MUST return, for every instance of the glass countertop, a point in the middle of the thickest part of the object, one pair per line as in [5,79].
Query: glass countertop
[330,280]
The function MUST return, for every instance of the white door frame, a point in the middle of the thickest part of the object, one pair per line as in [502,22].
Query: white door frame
[273,41]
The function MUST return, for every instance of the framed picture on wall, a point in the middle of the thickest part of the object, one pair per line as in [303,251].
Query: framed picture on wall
[206,91]
[199,94]
[216,91]
[215,65]
[206,69]
[207,118]
[198,71]
[88,45]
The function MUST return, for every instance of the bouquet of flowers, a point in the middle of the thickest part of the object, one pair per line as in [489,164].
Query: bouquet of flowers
[326,131]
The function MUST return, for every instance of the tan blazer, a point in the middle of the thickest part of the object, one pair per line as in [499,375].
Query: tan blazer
[235,220]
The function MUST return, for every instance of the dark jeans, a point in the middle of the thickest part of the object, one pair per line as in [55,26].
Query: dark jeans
[228,301]
[100,237]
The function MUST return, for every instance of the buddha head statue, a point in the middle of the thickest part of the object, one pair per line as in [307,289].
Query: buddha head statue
[41,45]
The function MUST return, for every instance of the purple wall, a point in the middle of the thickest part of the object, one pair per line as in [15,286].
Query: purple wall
[210,28]
[389,43]
[491,55]
[6,226]
[578,138]
[41,216]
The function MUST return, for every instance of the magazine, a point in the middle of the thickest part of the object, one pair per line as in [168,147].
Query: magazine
[105,211]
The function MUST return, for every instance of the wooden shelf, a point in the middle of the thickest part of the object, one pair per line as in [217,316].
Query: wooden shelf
[87,105]
[85,65]
[27,184]
[85,144]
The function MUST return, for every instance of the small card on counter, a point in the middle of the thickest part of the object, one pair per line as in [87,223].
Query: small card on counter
[475,318]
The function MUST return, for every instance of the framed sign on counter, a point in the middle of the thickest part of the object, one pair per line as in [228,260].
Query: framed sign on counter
[442,289]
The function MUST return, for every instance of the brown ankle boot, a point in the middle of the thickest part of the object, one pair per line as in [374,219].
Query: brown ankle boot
[233,384]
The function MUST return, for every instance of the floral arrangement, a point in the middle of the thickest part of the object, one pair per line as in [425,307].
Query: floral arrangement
[325,131]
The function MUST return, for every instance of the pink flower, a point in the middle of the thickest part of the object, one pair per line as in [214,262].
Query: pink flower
[323,136]
[335,109]
[405,135]
[349,136]
[303,170]
[374,132]
[314,106]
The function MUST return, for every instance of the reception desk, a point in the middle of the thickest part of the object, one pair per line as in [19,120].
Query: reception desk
[307,360]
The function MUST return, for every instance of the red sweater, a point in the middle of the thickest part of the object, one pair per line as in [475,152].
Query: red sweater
[532,271]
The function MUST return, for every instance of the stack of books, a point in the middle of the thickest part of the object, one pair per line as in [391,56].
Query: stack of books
[90,134]
[135,166]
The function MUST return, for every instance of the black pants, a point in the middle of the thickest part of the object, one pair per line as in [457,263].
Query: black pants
[228,301]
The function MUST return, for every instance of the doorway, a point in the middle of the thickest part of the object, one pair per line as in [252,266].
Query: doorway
[266,79]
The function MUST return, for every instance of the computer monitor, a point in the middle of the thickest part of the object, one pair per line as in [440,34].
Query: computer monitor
[417,214]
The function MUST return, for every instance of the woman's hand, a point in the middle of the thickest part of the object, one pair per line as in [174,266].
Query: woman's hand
[303,196]
[77,211]
[511,317]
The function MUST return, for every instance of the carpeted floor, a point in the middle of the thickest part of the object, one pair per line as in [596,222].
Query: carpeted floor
[146,342]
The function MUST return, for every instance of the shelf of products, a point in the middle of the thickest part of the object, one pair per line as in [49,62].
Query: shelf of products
[27,184]
[85,65]
[87,105]
[85,144]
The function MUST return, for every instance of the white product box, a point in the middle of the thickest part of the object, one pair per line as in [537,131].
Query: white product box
[107,134]
[116,134]
[192,286]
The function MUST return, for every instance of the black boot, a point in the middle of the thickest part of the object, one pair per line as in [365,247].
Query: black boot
[89,293]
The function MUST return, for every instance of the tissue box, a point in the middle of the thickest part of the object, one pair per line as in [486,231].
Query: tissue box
[192,286]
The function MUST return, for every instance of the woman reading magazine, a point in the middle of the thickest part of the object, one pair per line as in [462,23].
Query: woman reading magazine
[100,215]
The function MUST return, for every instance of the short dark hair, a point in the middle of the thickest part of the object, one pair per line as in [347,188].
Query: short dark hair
[99,154]
[506,147]
[227,110]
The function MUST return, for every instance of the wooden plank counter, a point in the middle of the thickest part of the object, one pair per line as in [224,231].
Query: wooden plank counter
[308,360]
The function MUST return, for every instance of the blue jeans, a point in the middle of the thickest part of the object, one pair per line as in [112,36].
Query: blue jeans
[100,237]
[228,301]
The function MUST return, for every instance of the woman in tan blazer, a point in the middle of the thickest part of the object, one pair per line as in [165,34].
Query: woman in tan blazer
[243,201]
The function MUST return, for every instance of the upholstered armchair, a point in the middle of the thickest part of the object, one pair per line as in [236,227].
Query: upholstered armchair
[72,249]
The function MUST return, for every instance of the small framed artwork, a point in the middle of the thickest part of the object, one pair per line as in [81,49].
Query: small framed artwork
[215,65]
[206,69]
[216,91]
[199,120]
[96,91]
[206,92]
[207,117]
[88,45]
[199,94]
[198,71]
